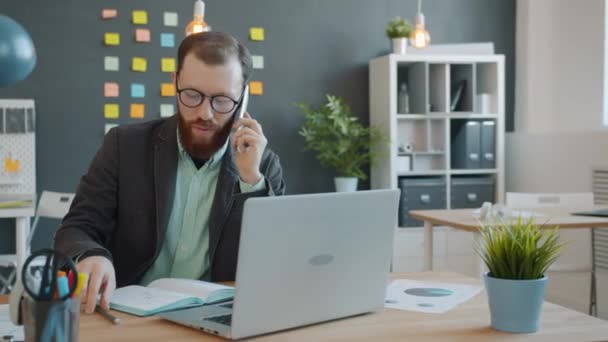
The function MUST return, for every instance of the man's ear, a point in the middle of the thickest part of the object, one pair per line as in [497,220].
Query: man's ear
[174,77]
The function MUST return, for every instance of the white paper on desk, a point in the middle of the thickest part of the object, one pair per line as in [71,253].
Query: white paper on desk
[7,327]
[513,213]
[430,297]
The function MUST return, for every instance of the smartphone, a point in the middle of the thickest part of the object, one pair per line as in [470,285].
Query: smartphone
[243,106]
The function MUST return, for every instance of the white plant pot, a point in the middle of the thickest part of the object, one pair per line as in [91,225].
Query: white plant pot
[346,184]
[400,46]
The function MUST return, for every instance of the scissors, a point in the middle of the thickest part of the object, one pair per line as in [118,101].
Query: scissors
[39,275]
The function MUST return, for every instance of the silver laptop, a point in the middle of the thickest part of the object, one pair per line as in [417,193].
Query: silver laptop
[305,259]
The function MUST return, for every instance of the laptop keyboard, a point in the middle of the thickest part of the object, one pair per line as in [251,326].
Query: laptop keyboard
[224,319]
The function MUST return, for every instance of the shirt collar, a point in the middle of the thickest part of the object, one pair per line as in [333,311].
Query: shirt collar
[213,160]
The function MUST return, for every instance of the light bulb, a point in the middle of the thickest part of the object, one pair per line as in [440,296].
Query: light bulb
[198,23]
[420,37]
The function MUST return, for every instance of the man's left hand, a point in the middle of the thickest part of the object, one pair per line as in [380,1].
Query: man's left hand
[248,143]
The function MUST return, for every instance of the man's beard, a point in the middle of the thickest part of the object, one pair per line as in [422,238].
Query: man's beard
[201,149]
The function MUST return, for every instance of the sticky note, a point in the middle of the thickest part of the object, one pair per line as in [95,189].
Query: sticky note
[166,110]
[137,110]
[170,18]
[110,63]
[139,64]
[142,35]
[256,33]
[112,38]
[167,89]
[109,126]
[110,89]
[167,64]
[256,88]
[109,13]
[257,61]
[110,111]
[167,40]
[140,17]
[138,90]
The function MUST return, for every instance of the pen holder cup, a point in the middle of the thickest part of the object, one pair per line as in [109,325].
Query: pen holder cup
[51,320]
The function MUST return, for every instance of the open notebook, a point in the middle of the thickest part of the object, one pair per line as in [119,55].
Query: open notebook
[168,294]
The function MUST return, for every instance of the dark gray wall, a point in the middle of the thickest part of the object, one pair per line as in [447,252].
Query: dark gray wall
[312,47]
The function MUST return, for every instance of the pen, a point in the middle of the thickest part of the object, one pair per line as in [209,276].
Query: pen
[107,315]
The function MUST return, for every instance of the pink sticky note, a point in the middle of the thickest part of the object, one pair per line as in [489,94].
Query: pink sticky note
[142,35]
[110,89]
[109,13]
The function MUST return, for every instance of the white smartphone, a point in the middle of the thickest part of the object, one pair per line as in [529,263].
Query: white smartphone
[242,109]
[243,106]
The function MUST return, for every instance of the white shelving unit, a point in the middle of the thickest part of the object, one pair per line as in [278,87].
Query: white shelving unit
[432,81]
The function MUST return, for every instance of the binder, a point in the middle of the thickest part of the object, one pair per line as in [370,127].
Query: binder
[466,145]
[488,131]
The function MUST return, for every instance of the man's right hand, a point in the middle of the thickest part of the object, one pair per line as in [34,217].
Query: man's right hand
[102,278]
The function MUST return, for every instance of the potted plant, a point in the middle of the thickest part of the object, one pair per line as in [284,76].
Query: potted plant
[398,30]
[340,140]
[517,254]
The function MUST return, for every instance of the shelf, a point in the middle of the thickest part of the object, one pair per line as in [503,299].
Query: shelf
[422,173]
[6,181]
[422,153]
[450,115]
[471,171]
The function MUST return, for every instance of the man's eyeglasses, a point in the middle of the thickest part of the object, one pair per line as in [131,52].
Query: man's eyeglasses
[193,98]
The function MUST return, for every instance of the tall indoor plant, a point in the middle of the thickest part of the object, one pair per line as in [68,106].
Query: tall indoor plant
[517,254]
[340,140]
[398,30]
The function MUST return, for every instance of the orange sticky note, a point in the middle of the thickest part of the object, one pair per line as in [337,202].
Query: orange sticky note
[112,38]
[167,64]
[139,64]
[142,35]
[167,89]
[109,13]
[256,33]
[110,111]
[137,110]
[110,89]
[11,165]
[140,17]
[256,88]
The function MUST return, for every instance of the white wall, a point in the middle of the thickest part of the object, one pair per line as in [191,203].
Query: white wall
[559,137]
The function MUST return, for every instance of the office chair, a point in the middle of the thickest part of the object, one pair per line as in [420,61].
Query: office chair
[51,205]
[568,261]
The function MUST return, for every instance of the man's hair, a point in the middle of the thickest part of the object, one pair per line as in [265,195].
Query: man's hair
[215,48]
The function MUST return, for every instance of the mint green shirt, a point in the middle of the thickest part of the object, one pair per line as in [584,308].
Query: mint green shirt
[185,250]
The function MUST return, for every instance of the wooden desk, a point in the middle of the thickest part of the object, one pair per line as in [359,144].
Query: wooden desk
[464,219]
[469,321]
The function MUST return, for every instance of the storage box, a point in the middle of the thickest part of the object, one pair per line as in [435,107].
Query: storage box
[403,164]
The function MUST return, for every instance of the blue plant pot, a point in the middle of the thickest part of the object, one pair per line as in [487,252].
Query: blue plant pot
[515,305]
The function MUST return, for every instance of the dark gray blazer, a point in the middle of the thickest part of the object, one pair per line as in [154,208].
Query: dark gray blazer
[123,202]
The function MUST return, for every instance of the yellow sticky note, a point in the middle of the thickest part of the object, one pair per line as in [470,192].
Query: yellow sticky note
[110,111]
[256,88]
[256,33]
[167,89]
[11,165]
[140,17]
[137,110]
[112,38]
[167,64]
[139,64]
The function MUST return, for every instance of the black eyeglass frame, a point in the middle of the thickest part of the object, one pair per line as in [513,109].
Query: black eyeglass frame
[211,98]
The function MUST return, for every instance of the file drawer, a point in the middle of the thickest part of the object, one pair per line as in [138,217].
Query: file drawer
[420,193]
[471,192]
